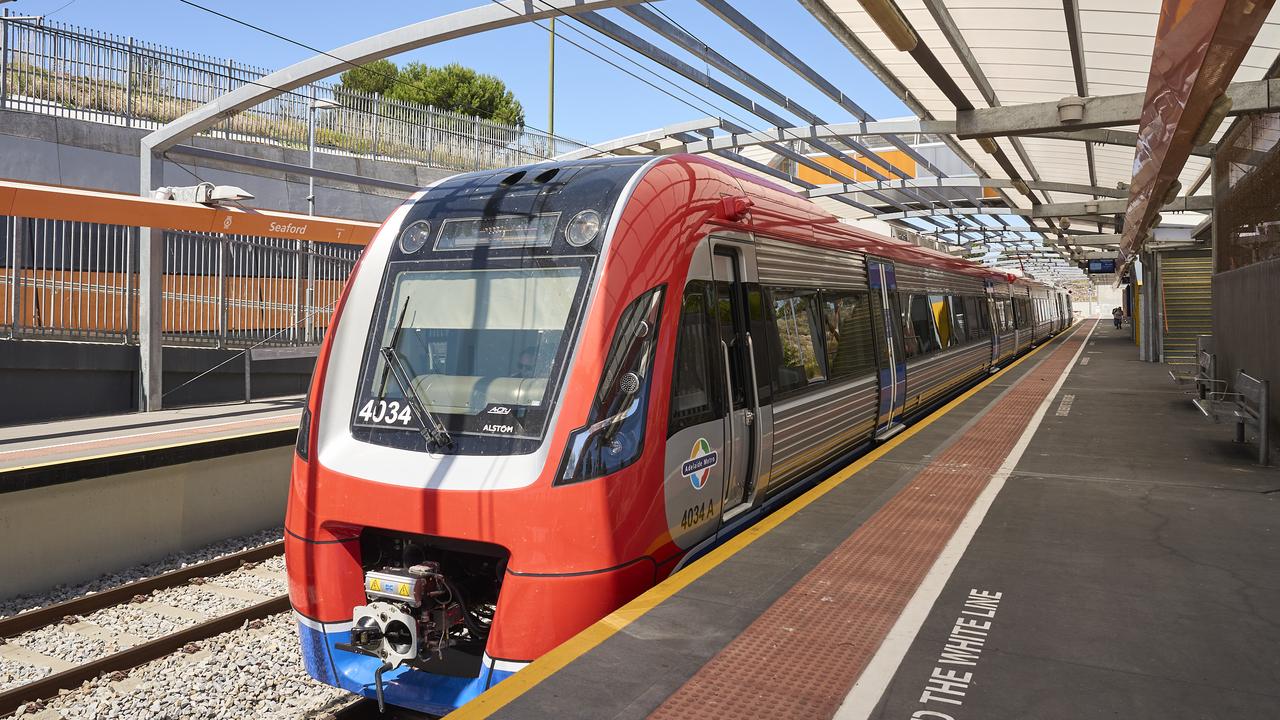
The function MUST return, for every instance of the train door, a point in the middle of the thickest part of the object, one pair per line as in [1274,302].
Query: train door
[890,359]
[737,365]
[989,306]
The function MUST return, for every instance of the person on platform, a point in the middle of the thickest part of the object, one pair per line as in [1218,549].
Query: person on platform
[1117,315]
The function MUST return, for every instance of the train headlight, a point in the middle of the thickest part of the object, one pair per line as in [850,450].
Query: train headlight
[583,228]
[414,237]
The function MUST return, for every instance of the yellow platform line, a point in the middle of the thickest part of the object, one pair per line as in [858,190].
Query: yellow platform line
[498,696]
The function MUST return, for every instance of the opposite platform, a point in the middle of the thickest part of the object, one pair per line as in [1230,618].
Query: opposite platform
[871,577]
[67,450]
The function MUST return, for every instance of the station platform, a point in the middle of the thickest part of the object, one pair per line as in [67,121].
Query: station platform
[1071,538]
[64,451]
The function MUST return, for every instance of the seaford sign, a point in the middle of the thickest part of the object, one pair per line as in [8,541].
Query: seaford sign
[287,228]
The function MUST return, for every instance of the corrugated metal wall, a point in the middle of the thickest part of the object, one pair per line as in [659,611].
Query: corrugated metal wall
[1247,326]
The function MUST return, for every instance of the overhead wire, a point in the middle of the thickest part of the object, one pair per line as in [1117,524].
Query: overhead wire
[748,124]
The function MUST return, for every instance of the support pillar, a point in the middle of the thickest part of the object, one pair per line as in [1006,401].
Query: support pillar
[150,291]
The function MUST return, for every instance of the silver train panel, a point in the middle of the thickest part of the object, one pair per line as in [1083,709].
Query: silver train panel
[789,265]
[1007,346]
[913,278]
[934,376]
[810,430]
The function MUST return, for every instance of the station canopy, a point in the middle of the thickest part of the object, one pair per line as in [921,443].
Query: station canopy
[1039,201]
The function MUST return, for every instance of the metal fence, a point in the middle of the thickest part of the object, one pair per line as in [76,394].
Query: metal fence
[78,281]
[69,71]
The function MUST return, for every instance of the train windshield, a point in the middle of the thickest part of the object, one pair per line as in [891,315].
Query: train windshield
[481,348]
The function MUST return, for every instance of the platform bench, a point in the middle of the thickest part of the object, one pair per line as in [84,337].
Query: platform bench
[1248,406]
[1205,371]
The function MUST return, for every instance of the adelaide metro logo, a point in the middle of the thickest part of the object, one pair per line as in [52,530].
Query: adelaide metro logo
[699,465]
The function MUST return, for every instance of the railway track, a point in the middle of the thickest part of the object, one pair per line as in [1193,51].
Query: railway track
[135,655]
[368,710]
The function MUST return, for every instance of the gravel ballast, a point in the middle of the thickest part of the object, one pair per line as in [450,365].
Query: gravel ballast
[62,593]
[255,671]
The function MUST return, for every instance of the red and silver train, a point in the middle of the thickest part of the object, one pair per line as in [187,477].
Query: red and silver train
[548,388]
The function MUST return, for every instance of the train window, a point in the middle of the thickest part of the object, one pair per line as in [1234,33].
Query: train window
[959,319]
[728,332]
[795,313]
[613,436]
[942,321]
[693,388]
[979,323]
[910,343]
[1007,316]
[846,320]
[467,340]
[761,328]
[918,332]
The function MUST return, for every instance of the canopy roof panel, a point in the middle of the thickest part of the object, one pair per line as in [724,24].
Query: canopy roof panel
[1021,50]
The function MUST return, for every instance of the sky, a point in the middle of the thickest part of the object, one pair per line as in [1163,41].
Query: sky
[594,101]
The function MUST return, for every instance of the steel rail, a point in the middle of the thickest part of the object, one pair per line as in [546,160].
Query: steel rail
[51,685]
[368,710]
[30,620]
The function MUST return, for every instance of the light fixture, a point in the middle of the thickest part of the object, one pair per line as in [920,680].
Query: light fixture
[1212,119]
[205,193]
[889,19]
[1071,109]
[582,228]
[415,236]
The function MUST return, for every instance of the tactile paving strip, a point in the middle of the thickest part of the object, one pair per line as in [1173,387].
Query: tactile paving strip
[800,658]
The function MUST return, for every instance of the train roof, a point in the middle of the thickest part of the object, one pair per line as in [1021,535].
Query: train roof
[775,209]
[829,231]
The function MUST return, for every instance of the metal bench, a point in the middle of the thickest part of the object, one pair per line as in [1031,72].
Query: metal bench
[1206,370]
[1203,379]
[1249,406]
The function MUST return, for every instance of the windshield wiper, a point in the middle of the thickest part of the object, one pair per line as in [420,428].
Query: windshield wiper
[433,431]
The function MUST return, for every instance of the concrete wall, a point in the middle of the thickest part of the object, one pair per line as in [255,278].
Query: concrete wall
[76,531]
[65,151]
[42,381]
[1246,328]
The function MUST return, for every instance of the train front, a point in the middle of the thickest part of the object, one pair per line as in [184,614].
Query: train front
[428,435]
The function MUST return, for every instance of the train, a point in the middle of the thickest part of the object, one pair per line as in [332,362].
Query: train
[547,388]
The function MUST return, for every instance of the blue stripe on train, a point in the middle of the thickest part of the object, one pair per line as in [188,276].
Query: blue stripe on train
[402,687]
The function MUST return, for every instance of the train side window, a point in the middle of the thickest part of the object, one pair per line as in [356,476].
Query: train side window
[846,320]
[979,323]
[918,323]
[959,319]
[942,321]
[693,387]
[761,327]
[910,342]
[796,315]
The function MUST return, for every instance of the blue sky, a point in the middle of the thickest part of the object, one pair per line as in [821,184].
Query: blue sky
[594,101]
